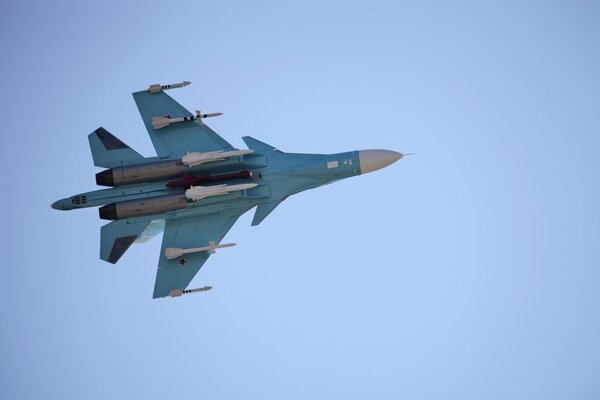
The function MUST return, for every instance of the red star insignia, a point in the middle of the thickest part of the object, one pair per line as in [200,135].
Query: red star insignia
[182,261]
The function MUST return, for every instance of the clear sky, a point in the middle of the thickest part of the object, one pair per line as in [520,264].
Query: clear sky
[470,270]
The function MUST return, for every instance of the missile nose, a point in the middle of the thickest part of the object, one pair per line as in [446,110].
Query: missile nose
[372,160]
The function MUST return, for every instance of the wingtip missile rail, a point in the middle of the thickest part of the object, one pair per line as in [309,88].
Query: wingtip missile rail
[179,292]
[157,87]
[161,122]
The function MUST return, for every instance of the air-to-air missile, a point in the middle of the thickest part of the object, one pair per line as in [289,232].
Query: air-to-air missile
[161,122]
[173,252]
[196,193]
[197,158]
[179,292]
[159,88]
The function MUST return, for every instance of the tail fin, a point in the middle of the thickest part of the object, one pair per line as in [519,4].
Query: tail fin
[109,152]
[116,237]
[263,210]
[257,145]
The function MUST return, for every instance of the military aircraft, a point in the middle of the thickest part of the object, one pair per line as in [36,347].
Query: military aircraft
[196,187]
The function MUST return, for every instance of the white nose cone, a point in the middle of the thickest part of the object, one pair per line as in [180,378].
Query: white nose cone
[372,160]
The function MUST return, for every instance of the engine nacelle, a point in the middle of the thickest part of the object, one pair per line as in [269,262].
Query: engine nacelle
[141,207]
[132,174]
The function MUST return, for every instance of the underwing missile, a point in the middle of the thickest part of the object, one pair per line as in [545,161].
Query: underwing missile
[200,192]
[196,158]
[179,292]
[157,87]
[172,253]
[161,122]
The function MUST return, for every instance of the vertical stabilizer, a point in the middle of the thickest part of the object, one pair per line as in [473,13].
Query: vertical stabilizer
[109,152]
[263,210]
[257,145]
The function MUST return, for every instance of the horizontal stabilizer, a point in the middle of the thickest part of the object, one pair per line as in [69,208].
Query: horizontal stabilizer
[154,228]
[263,210]
[116,237]
[109,152]
[256,145]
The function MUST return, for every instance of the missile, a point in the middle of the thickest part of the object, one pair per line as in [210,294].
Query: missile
[179,292]
[161,122]
[196,158]
[200,192]
[157,87]
[172,252]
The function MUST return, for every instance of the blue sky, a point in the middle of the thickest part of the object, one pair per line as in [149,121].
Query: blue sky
[470,270]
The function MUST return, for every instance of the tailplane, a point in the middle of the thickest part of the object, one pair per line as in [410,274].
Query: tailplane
[117,236]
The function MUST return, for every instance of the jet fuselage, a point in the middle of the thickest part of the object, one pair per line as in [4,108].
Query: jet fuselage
[196,187]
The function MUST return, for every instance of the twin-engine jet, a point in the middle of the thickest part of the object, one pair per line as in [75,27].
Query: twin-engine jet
[196,187]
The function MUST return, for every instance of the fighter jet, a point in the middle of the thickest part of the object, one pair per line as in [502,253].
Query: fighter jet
[196,187]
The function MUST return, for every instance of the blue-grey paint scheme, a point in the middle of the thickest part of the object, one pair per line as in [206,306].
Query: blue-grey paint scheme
[194,224]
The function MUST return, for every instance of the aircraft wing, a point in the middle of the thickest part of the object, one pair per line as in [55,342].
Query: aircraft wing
[176,139]
[187,233]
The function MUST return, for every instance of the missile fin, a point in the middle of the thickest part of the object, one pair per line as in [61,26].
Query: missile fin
[160,122]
